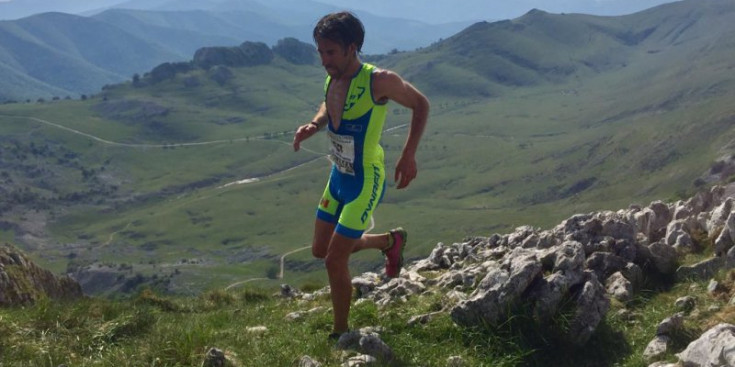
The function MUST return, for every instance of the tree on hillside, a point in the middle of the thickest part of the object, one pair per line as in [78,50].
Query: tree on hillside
[247,54]
[168,70]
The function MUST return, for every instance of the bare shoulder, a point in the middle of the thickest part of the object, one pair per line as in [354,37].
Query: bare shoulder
[386,83]
[385,76]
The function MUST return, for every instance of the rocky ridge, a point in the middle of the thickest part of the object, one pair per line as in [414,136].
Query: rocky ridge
[22,282]
[575,268]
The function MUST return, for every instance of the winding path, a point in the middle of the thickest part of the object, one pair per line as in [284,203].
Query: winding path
[130,145]
[211,142]
[283,261]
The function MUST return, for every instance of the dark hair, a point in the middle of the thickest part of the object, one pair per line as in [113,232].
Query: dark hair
[343,28]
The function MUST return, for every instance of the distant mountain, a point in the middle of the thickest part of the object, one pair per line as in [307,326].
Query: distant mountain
[16,9]
[540,47]
[55,54]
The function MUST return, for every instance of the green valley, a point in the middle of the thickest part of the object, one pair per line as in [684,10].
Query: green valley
[190,183]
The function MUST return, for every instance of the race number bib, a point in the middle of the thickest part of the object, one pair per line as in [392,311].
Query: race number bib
[342,151]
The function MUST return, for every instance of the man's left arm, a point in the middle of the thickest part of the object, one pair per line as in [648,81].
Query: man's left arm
[389,85]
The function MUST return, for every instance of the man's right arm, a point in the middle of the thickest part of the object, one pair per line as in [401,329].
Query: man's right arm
[307,130]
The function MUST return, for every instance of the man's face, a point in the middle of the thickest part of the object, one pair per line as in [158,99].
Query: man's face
[335,58]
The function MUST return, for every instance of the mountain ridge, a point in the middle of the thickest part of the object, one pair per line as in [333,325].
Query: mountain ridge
[117,43]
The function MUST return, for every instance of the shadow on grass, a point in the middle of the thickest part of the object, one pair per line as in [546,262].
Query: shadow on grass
[523,341]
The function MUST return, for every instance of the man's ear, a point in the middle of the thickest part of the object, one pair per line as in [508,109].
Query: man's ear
[351,49]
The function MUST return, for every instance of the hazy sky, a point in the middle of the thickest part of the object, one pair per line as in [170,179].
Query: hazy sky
[437,11]
[429,11]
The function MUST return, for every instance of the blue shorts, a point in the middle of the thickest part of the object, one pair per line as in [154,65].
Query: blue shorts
[350,200]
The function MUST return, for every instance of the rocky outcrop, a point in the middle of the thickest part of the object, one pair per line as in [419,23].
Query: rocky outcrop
[22,282]
[570,272]
[716,347]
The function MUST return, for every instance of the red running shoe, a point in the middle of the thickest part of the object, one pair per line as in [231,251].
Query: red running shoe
[394,254]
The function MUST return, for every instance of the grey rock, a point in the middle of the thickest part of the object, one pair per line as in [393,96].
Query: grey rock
[660,218]
[701,270]
[365,283]
[592,305]
[288,291]
[455,361]
[372,344]
[605,264]
[713,286]
[498,291]
[307,361]
[619,287]
[674,230]
[625,249]
[719,215]
[361,360]
[569,257]
[634,274]
[214,358]
[686,303]
[726,239]
[670,325]
[716,347]
[22,282]
[664,257]
[295,316]
[618,229]
[656,348]
[397,289]
[366,342]
[549,293]
[663,364]
[519,235]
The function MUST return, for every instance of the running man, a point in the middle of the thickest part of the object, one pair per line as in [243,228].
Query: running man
[353,113]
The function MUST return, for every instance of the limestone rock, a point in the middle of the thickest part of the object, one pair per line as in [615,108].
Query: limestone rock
[592,305]
[714,348]
[307,361]
[455,361]
[22,282]
[366,342]
[656,347]
[619,287]
[360,361]
[218,358]
[671,324]
[686,303]
[664,257]
[498,291]
[726,239]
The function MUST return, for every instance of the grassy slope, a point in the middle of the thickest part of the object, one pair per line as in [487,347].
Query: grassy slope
[633,128]
[161,331]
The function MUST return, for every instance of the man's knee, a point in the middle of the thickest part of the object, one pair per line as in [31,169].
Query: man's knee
[319,252]
[335,263]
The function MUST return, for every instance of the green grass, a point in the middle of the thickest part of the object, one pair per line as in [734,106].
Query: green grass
[150,329]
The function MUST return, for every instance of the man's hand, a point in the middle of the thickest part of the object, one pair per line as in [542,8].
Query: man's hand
[302,133]
[405,170]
